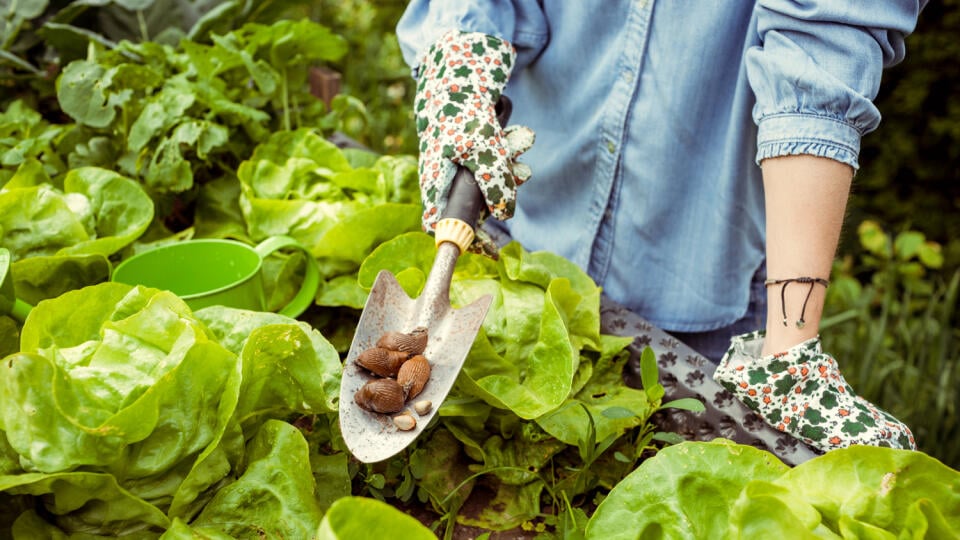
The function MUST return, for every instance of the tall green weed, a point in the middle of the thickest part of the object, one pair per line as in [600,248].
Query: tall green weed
[892,321]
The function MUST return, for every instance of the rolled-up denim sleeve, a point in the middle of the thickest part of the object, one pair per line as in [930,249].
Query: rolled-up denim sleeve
[521,22]
[817,70]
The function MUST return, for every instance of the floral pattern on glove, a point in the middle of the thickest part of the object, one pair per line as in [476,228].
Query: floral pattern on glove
[802,392]
[460,80]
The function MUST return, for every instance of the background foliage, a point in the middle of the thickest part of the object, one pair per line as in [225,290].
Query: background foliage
[910,167]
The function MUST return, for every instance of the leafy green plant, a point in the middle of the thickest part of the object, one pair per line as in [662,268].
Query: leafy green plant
[724,490]
[911,164]
[898,334]
[120,396]
[358,517]
[374,72]
[172,117]
[209,114]
[540,420]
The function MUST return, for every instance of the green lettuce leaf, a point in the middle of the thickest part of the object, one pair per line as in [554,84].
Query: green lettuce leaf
[274,497]
[685,491]
[544,311]
[82,501]
[298,184]
[288,367]
[49,276]
[132,385]
[98,212]
[360,517]
[856,492]
[725,490]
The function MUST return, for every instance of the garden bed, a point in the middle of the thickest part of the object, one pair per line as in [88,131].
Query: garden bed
[129,414]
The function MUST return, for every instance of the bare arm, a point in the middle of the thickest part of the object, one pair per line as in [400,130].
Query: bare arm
[806,198]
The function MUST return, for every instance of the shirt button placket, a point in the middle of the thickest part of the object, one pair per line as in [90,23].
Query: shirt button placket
[624,86]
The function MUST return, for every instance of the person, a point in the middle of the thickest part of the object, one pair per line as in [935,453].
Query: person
[694,158]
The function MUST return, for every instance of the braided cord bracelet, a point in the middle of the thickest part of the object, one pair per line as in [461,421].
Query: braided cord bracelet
[783,287]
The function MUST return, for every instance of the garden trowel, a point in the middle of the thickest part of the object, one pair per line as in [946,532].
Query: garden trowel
[372,436]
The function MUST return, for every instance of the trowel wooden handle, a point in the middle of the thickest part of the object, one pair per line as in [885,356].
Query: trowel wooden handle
[466,200]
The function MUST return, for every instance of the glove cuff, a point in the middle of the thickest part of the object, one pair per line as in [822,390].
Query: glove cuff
[474,49]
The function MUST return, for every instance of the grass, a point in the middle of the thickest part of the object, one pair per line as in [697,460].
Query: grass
[898,343]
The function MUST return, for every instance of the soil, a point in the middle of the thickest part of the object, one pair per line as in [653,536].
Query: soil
[478,500]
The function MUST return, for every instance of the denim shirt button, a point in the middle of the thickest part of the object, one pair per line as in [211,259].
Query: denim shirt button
[611,147]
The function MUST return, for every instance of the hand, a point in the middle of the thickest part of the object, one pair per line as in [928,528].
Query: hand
[801,392]
[461,78]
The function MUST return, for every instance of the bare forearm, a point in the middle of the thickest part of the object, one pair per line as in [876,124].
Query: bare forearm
[806,198]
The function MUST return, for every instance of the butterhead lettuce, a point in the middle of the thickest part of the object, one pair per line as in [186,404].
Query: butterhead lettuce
[126,414]
[725,490]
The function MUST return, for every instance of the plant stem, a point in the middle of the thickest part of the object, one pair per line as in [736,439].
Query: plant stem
[286,101]
[144,33]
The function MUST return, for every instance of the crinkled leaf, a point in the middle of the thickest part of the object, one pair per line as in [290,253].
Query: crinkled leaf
[534,373]
[169,171]
[447,486]
[287,365]
[850,491]
[42,277]
[400,181]
[410,252]
[521,455]
[274,497]
[282,276]
[38,221]
[614,410]
[302,144]
[84,502]
[73,318]
[304,220]
[510,507]
[685,491]
[120,209]
[160,113]
[356,236]
[540,268]
[99,212]
[148,391]
[294,42]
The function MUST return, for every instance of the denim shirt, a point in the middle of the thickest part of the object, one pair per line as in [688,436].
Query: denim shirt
[652,117]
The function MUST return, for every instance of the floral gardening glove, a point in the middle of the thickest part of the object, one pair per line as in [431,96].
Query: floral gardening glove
[801,392]
[461,78]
